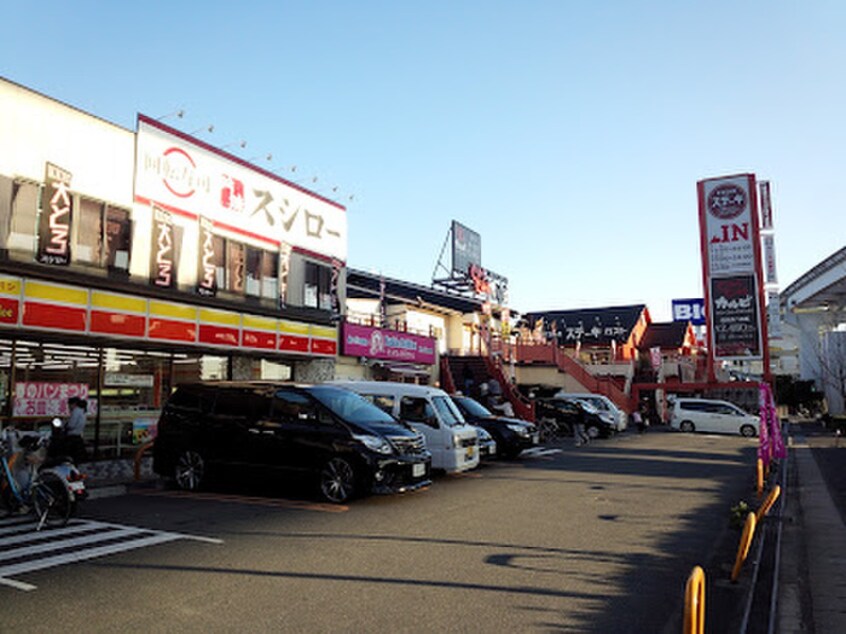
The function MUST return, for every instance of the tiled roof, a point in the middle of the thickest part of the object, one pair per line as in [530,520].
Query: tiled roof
[669,334]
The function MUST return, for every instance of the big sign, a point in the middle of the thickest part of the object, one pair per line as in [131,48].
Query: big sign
[186,176]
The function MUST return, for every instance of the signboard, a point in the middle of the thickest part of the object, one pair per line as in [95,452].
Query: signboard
[731,265]
[728,224]
[766,205]
[162,251]
[193,179]
[41,398]
[770,276]
[466,248]
[692,310]
[773,315]
[54,226]
[735,319]
[208,260]
[378,343]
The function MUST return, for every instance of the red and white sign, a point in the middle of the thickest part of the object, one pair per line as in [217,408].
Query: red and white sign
[769,260]
[731,267]
[729,227]
[191,178]
[766,205]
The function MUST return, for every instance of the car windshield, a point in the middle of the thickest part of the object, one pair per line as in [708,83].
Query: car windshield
[349,406]
[474,407]
[447,411]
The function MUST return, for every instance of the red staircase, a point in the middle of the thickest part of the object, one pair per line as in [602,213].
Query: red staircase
[482,369]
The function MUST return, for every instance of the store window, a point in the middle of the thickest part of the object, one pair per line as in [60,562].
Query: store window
[317,292]
[23,227]
[118,238]
[89,233]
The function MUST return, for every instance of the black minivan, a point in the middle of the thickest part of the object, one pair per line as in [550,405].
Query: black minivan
[336,438]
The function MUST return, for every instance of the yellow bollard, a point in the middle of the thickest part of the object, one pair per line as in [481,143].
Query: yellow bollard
[765,507]
[760,472]
[694,602]
[743,547]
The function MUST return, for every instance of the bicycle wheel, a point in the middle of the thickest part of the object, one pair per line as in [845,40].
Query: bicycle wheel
[51,500]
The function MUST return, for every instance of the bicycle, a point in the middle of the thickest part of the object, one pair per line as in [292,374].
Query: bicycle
[27,488]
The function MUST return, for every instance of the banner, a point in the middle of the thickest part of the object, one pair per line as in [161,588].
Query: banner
[378,343]
[54,226]
[207,260]
[162,253]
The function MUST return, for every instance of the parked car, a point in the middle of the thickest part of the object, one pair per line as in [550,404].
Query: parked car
[512,435]
[454,444]
[605,405]
[487,444]
[705,415]
[564,413]
[331,436]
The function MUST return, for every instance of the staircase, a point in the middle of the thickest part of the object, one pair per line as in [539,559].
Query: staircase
[482,369]
[597,384]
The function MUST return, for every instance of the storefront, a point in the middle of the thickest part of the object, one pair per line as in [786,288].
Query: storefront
[131,261]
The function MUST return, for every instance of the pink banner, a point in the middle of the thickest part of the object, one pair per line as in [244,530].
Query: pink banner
[380,343]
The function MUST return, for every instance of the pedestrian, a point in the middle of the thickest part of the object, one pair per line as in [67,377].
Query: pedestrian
[579,432]
[637,419]
[74,443]
[468,380]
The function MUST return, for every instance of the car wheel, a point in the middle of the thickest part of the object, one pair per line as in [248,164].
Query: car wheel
[687,426]
[510,453]
[189,471]
[337,481]
[593,431]
[747,431]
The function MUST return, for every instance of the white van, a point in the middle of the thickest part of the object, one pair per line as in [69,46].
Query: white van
[605,405]
[721,417]
[453,443]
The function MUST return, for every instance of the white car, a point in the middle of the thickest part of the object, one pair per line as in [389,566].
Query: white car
[721,417]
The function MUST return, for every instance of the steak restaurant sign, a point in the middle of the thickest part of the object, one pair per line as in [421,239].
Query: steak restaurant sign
[731,267]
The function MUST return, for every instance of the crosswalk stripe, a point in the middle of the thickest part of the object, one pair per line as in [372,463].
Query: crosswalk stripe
[48,546]
[82,555]
[80,540]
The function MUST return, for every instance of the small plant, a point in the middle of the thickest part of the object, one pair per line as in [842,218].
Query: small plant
[738,513]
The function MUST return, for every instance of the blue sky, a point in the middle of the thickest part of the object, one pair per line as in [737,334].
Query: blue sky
[570,135]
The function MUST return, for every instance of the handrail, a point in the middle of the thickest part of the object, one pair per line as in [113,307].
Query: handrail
[523,408]
[743,546]
[447,382]
[768,502]
[694,602]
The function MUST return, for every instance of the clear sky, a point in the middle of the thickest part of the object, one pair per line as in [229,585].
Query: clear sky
[569,134]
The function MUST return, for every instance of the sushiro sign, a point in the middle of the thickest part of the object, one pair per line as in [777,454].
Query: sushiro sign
[731,265]
[185,176]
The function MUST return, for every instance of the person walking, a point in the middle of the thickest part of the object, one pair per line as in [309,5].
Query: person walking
[74,443]
[579,431]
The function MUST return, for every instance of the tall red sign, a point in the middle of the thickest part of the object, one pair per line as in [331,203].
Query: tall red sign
[731,269]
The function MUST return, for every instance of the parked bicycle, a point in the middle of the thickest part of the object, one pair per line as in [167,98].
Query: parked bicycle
[27,487]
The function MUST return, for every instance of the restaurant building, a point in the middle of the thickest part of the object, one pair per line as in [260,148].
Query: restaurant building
[131,260]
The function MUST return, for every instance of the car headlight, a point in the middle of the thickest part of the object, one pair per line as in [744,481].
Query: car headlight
[520,430]
[375,443]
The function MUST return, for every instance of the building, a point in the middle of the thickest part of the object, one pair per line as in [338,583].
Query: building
[131,260]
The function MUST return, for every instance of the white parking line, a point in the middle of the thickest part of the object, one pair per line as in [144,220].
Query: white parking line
[32,550]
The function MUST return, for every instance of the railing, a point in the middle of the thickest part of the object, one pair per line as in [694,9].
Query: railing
[523,408]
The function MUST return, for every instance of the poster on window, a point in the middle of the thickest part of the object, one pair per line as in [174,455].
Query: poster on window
[206,261]
[54,226]
[735,318]
[47,399]
[162,253]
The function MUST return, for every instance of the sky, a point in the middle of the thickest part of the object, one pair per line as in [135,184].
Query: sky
[570,135]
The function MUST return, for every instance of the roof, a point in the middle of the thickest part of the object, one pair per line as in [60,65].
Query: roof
[669,334]
[361,284]
[590,325]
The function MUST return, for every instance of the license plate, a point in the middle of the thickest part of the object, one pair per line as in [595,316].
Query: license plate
[468,455]
[536,438]
[418,470]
